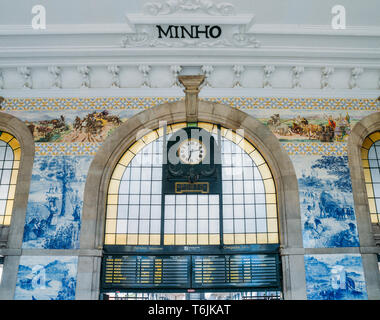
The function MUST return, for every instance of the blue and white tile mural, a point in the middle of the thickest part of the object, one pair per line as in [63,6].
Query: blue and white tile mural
[46,278]
[335,277]
[326,201]
[53,216]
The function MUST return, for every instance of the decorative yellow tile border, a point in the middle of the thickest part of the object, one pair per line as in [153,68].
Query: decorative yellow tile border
[298,103]
[315,148]
[67,149]
[115,103]
[109,103]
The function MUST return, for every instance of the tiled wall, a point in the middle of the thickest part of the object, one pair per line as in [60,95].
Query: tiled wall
[68,133]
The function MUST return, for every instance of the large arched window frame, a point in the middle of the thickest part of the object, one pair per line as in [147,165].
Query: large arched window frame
[108,156]
[135,196]
[10,155]
[17,137]
[359,144]
[370,153]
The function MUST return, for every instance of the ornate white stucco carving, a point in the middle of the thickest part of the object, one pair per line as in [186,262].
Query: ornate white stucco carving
[326,72]
[25,72]
[85,74]
[238,70]
[188,6]
[175,70]
[145,70]
[114,70]
[143,31]
[355,75]
[55,73]
[296,76]
[207,70]
[268,72]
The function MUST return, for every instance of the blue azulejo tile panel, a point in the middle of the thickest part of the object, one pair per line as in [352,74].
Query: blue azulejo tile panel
[335,277]
[53,216]
[326,201]
[46,278]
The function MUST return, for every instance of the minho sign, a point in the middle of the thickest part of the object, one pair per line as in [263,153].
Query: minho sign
[165,29]
[189,32]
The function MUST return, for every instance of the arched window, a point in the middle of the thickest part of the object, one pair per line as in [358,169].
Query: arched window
[140,212]
[371,165]
[10,154]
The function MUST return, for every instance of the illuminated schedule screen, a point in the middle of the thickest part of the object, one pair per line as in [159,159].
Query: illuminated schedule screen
[146,271]
[191,271]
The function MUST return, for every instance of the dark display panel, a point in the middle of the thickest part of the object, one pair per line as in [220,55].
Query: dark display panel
[254,271]
[146,271]
[191,271]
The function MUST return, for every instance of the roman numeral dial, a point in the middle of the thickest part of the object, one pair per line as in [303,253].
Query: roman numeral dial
[191,151]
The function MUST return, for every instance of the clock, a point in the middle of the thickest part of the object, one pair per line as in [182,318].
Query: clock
[191,151]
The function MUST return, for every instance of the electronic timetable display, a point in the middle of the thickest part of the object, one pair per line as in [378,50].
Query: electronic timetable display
[191,271]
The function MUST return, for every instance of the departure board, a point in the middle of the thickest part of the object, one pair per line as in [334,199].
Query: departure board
[252,271]
[191,271]
[146,271]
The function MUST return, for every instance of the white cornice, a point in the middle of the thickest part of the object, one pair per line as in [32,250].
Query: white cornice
[186,19]
[120,28]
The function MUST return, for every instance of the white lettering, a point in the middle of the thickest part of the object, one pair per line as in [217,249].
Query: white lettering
[339,19]
[39,20]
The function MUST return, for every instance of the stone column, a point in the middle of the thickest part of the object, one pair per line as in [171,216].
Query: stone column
[191,84]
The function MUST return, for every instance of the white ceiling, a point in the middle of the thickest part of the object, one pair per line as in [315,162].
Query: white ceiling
[304,12]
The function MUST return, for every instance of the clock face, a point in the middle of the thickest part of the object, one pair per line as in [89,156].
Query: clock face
[192,151]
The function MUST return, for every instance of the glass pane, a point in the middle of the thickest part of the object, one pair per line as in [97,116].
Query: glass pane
[192,226]
[169,226]
[169,211]
[180,212]
[214,211]
[155,212]
[180,226]
[214,226]
[202,226]
[192,211]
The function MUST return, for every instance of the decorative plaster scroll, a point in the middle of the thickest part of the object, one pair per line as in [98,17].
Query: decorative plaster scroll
[55,73]
[238,70]
[296,76]
[145,69]
[207,69]
[355,74]
[268,72]
[189,6]
[85,73]
[25,72]
[175,70]
[114,70]
[325,75]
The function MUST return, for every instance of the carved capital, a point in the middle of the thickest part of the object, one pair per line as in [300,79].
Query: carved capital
[192,87]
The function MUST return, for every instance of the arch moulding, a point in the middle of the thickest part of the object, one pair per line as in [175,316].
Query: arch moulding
[369,234]
[14,233]
[94,206]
